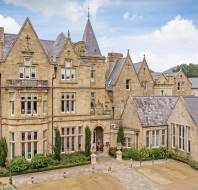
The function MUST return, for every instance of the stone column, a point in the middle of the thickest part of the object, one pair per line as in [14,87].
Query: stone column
[119,155]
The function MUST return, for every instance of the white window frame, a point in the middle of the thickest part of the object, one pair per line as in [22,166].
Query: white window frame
[155,138]
[68,74]
[29,99]
[173,129]
[70,137]
[68,101]
[26,142]
[12,145]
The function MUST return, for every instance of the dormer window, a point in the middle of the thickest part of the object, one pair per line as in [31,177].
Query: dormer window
[68,74]
[27,71]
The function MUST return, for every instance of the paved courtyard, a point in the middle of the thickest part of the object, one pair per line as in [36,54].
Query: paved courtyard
[165,175]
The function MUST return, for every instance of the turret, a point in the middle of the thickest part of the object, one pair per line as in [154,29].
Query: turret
[1,42]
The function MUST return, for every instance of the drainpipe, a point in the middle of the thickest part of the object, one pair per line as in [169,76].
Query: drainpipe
[0,110]
[167,141]
[53,77]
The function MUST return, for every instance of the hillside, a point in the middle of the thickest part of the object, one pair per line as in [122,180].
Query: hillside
[191,70]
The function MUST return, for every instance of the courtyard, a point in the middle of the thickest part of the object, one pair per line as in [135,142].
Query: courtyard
[110,174]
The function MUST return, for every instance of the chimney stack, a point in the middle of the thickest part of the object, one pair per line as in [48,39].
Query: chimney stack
[1,42]
[111,59]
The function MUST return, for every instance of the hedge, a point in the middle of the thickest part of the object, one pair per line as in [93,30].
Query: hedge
[152,154]
[40,163]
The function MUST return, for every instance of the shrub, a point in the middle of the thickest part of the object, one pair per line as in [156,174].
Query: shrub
[120,136]
[39,161]
[3,151]
[159,153]
[57,146]
[87,141]
[112,151]
[145,154]
[18,164]
[74,158]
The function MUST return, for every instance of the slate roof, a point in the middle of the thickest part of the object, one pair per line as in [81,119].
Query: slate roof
[154,111]
[194,82]
[115,73]
[192,106]
[53,48]
[156,75]
[137,66]
[91,44]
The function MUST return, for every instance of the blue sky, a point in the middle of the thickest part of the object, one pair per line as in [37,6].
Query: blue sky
[165,30]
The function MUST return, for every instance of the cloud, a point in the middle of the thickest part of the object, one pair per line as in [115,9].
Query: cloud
[128,16]
[72,10]
[174,43]
[9,24]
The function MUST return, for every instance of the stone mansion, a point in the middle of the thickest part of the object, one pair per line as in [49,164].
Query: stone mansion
[70,85]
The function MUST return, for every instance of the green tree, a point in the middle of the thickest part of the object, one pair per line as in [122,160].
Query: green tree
[57,145]
[120,136]
[3,151]
[87,141]
[191,70]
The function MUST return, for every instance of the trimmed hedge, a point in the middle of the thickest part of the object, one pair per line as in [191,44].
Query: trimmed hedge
[39,161]
[18,164]
[152,154]
[142,154]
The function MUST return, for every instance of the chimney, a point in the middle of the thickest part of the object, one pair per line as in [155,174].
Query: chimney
[111,59]
[1,42]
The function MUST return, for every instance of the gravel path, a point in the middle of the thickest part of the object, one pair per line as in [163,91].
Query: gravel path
[129,177]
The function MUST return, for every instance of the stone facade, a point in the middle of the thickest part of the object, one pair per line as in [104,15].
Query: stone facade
[60,84]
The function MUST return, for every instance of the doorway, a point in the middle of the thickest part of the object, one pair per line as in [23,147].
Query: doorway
[98,138]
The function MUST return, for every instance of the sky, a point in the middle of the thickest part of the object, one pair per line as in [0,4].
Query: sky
[166,31]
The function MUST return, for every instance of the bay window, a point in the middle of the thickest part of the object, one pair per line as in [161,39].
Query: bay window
[29,104]
[29,141]
[71,139]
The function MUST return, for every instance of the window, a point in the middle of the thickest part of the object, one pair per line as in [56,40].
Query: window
[71,139]
[27,72]
[181,137]
[155,138]
[163,137]
[68,74]
[44,105]
[93,101]
[45,142]
[127,142]
[29,104]
[173,135]
[93,73]
[12,104]
[189,136]
[68,102]
[29,144]
[12,145]
[180,85]
[147,138]
[128,84]
[144,85]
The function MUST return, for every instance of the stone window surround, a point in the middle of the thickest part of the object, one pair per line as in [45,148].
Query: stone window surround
[29,140]
[71,138]
[68,102]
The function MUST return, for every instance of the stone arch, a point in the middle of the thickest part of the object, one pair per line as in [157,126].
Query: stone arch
[98,138]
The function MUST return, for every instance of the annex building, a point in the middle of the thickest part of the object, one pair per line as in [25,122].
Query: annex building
[68,85]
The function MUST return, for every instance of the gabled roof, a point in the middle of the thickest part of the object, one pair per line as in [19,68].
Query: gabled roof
[115,73]
[191,103]
[137,66]
[91,44]
[194,82]
[154,111]
[156,75]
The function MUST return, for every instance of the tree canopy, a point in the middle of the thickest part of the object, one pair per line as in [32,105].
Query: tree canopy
[191,70]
